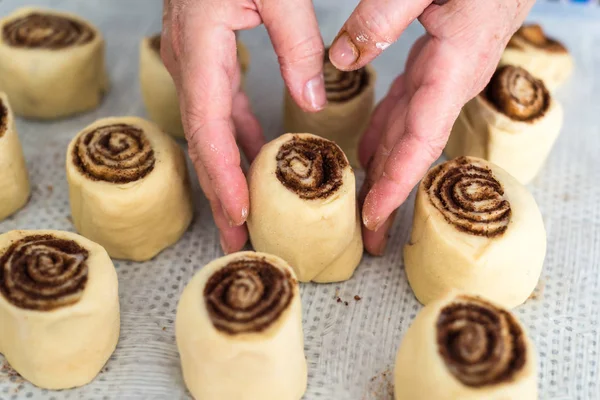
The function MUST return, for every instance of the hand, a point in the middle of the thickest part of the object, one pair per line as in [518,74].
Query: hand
[446,67]
[198,47]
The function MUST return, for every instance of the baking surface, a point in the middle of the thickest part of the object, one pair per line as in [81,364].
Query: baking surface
[350,345]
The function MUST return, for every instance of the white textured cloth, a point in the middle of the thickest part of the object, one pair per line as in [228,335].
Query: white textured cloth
[350,348]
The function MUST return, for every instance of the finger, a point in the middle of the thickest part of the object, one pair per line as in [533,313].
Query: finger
[375,242]
[206,104]
[248,131]
[373,26]
[299,47]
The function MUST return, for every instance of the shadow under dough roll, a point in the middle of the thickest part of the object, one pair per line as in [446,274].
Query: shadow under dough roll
[128,187]
[465,347]
[239,330]
[303,207]
[475,229]
[51,63]
[14,179]
[59,307]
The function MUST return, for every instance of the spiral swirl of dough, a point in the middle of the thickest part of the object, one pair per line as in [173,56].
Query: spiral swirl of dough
[3,118]
[247,295]
[469,197]
[47,31]
[118,153]
[516,93]
[43,272]
[534,35]
[480,343]
[341,86]
[311,167]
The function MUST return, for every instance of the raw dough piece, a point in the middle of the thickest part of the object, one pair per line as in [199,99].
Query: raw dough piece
[464,347]
[14,180]
[129,187]
[303,207]
[546,58]
[51,63]
[513,123]
[476,229]
[239,330]
[158,90]
[350,97]
[59,307]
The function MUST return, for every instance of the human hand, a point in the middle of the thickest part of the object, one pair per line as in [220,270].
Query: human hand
[446,67]
[198,47]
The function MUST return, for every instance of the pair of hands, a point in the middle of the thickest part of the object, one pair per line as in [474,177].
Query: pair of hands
[446,67]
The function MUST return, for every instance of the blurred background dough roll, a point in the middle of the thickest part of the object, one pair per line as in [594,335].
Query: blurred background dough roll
[51,63]
[464,347]
[303,207]
[350,100]
[59,307]
[239,330]
[158,90]
[513,123]
[475,229]
[14,180]
[546,58]
[129,187]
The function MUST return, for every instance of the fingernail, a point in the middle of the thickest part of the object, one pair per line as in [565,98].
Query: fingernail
[229,219]
[314,92]
[343,52]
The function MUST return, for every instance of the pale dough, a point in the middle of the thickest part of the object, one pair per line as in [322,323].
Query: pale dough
[133,220]
[51,83]
[266,364]
[66,346]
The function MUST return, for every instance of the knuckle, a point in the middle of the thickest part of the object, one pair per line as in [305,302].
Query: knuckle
[306,50]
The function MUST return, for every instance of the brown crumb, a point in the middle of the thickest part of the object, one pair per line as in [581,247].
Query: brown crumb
[357,297]
[381,386]
[164,328]
[346,303]
[339,300]
[13,375]
[50,189]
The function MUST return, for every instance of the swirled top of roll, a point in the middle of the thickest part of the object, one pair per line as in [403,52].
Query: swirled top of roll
[248,295]
[534,35]
[341,86]
[311,167]
[116,153]
[467,194]
[3,118]
[480,343]
[46,31]
[43,272]
[516,93]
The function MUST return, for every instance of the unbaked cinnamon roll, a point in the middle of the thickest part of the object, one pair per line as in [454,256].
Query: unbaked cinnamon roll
[14,179]
[545,57]
[464,347]
[51,63]
[475,229]
[129,187]
[514,123]
[350,97]
[239,320]
[62,290]
[303,207]
[158,90]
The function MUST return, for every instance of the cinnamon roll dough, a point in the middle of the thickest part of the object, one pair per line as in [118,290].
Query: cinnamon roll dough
[51,63]
[513,123]
[544,57]
[475,229]
[14,180]
[129,187]
[350,97]
[59,307]
[158,90]
[303,207]
[464,347]
[239,330]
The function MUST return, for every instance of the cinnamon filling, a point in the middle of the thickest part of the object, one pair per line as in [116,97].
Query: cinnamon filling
[311,167]
[3,118]
[341,86]
[480,344]
[118,153]
[469,197]
[534,35]
[247,295]
[516,93]
[43,272]
[47,31]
